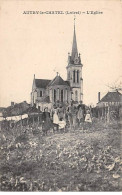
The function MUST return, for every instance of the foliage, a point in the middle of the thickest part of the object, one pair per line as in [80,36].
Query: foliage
[78,160]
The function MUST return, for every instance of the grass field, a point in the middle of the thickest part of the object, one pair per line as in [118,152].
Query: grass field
[76,160]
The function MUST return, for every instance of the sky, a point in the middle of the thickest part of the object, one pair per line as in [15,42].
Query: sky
[39,44]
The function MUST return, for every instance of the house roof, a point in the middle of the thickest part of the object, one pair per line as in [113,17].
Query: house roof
[112,97]
[42,83]
[2,109]
[58,81]
[32,110]
[16,109]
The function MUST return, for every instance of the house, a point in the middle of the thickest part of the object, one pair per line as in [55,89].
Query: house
[1,113]
[48,93]
[111,99]
[110,103]
[16,109]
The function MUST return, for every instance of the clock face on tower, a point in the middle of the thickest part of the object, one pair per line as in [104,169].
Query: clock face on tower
[76,61]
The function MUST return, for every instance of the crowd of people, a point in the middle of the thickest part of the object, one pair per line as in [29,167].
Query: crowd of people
[65,118]
[72,117]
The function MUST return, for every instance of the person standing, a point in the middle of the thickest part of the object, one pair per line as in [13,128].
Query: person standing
[55,117]
[88,118]
[47,121]
[69,113]
[55,121]
[80,116]
[74,117]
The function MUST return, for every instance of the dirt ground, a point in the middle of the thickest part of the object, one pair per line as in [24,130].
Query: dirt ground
[76,160]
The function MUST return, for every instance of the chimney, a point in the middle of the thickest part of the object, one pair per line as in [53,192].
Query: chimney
[12,103]
[98,96]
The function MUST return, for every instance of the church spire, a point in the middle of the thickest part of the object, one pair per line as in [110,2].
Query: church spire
[74,58]
[74,45]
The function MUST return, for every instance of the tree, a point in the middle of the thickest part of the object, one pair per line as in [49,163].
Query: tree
[117,85]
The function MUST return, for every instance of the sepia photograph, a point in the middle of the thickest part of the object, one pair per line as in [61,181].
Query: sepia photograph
[60,96]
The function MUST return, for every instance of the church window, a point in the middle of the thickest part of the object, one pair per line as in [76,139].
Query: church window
[54,95]
[69,75]
[40,93]
[76,96]
[74,76]
[62,95]
[77,76]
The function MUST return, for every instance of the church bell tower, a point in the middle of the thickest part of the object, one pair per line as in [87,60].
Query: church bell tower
[74,71]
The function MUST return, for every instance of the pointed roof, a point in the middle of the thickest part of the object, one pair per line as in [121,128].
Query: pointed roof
[57,81]
[74,46]
[112,97]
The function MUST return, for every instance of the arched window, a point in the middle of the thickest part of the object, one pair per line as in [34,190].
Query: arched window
[69,75]
[76,96]
[77,76]
[40,93]
[74,76]
[62,95]
[54,95]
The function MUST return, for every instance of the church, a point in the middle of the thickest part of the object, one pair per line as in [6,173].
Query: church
[58,92]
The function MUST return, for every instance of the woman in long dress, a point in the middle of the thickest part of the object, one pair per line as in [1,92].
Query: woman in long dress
[80,116]
[88,117]
[55,117]
[55,121]
[74,118]
[69,113]
[46,121]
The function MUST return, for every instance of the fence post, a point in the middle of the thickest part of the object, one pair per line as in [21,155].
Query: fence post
[108,114]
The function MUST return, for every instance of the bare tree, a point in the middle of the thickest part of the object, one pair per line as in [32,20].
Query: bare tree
[117,85]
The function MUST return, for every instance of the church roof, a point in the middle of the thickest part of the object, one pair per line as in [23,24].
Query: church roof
[112,97]
[41,83]
[58,81]
[67,82]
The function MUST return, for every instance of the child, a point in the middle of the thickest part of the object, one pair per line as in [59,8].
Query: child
[62,124]
[88,119]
